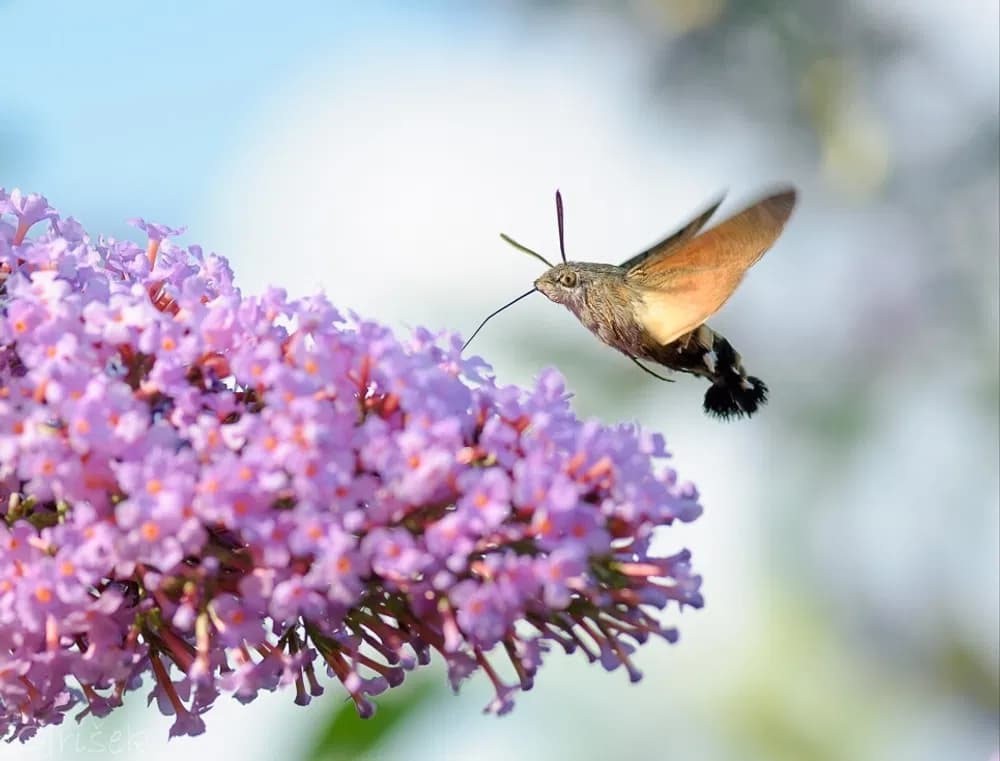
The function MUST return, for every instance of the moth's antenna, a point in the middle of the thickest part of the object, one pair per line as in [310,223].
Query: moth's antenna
[559,218]
[525,249]
[494,314]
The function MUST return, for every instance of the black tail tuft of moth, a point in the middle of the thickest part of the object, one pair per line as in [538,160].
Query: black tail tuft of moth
[733,393]
[736,398]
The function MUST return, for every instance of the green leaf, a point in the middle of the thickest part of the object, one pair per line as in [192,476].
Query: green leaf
[348,737]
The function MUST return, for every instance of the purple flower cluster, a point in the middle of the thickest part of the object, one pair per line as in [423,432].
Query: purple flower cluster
[224,491]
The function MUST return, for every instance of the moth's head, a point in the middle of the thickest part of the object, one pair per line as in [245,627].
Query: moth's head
[563,283]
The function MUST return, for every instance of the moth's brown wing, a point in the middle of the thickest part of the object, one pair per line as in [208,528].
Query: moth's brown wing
[685,286]
[674,240]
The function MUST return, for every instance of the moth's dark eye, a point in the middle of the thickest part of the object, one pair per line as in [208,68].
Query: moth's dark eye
[568,279]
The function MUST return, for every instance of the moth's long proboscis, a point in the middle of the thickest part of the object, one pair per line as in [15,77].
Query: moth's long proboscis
[491,315]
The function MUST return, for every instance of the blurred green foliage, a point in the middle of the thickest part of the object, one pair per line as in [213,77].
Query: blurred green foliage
[346,737]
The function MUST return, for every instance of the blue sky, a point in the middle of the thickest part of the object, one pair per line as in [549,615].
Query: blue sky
[120,108]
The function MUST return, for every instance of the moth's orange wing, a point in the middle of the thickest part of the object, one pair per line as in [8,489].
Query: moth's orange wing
[684,286]
[676,239]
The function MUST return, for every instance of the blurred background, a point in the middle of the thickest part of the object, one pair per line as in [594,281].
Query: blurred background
[849,544]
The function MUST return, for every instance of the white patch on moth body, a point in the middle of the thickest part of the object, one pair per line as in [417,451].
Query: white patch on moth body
[709,359]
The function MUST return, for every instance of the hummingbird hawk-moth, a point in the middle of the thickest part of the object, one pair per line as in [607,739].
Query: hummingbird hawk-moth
[653,306]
